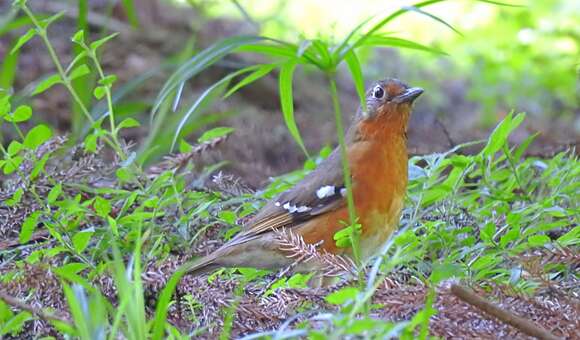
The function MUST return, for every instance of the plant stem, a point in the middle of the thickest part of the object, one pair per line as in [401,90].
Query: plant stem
[107,88]
[42,33]
[41,30]
[345,168]
[514,168]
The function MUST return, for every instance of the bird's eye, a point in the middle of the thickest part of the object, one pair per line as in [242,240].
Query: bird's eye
[378,92]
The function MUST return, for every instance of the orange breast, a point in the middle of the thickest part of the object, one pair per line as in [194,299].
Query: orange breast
[379,172]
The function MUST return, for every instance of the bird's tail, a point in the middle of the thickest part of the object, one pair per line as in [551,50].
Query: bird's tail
[199,266]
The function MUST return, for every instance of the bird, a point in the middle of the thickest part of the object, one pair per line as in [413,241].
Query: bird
[316,207]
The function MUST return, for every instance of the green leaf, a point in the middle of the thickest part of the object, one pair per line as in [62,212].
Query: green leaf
[519,152]
[113,225]
[444,271]
[21,114]
[91,143]
[71,268]
[358,326]
[500,134]
[538,240]
[487,232]
[252,77]
[228,216]
[124,174]
[54,193]
[99,92]
[570,238]
[16,198]
[4,105]
[128,123]
[287,102]
[79,37]
[14,147]
[15,325]
[102,206]
[23,40]
[342,296]
[108,80]
[512,235]
[39,166]
[81,240]
[342,237]
[48,21]
[96,44]
[485,261]
[78,58]
[81,70]
[28,227]
[46,84]
[215,133]
[184,147]
[37,136]
[357,76]
[12,164]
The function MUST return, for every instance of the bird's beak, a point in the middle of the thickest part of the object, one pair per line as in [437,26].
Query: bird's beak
[408,96]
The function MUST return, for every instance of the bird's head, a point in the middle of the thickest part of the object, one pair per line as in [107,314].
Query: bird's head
[388,105]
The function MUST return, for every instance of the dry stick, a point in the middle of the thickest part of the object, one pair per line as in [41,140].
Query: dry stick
[525,326]
[17,303]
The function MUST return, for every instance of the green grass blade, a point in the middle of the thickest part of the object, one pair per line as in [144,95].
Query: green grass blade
[129,6]
[498,3]
[163,303]
[360,41]
[8,69]
[287,102]
[271,50]
[197,104]
[78,306]
[262,71]
[344,43]
[378,40]
[200,62]
[324,57]
[434,17]
[357,76]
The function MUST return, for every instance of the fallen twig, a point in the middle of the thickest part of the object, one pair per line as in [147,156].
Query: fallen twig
[17,303]
[524,325]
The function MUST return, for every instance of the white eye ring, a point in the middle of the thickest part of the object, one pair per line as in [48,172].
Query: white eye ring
[378,92]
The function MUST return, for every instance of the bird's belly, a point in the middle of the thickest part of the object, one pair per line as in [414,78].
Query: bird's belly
[377,228]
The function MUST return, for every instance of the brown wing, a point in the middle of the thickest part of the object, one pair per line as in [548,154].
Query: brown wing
[320,191]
